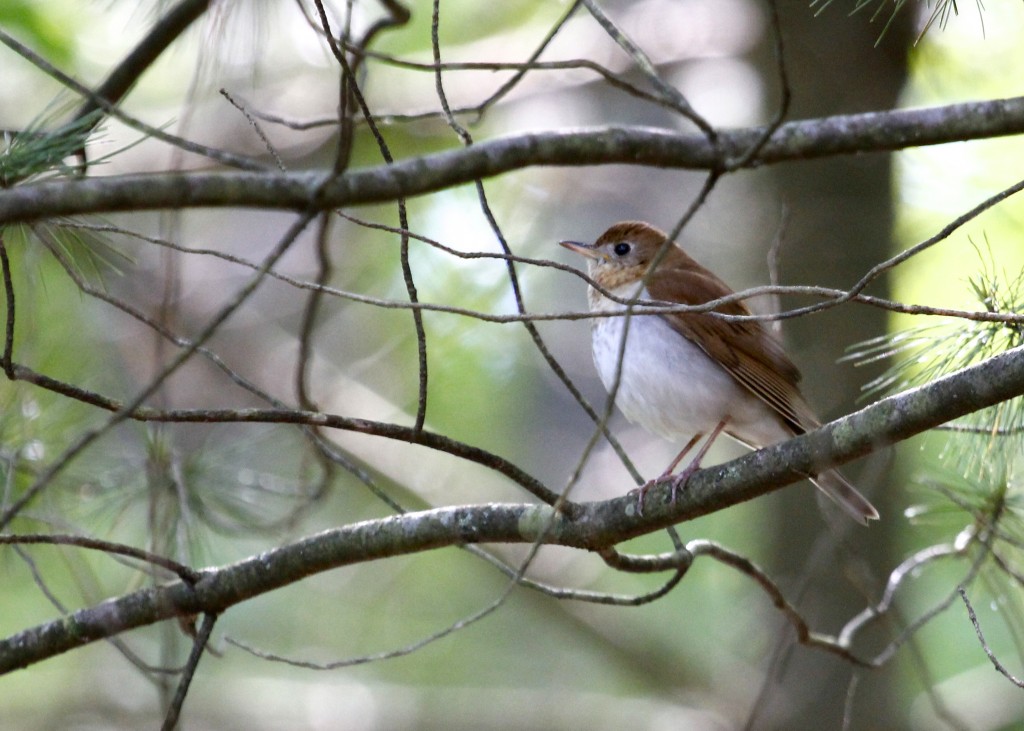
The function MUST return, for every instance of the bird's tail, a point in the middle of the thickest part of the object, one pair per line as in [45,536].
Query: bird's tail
[839,489]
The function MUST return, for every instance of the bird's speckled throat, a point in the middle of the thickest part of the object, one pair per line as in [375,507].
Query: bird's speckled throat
[618,280]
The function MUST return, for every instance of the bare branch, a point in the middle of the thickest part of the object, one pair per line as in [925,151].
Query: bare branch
[828,137]
[593,526]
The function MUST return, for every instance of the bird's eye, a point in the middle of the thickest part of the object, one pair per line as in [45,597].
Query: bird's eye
[622,248]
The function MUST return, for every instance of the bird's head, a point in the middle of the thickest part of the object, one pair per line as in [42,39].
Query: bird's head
[622,254]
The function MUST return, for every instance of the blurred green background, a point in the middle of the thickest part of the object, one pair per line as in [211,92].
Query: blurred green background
[714,653]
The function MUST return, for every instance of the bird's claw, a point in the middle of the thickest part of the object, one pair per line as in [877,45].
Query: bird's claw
[678,482]
[641,492]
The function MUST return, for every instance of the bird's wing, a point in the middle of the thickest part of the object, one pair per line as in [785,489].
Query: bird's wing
[744,348]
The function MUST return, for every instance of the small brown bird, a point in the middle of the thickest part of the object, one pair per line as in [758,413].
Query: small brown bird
[690,374]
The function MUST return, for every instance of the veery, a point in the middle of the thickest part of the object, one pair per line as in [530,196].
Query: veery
[688,374]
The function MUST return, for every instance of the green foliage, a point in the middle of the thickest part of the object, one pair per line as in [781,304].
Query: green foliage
[984,447]
[45,28]
[33,152]
[462,22]
[940,14]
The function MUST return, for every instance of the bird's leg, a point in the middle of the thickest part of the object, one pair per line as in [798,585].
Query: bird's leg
[681,479]
[665,475]
[682,453]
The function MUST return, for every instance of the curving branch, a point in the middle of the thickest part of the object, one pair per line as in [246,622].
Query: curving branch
[592,526]
[816,138]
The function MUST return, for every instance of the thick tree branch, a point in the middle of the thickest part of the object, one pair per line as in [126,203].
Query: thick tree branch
[845,134]
[595,526]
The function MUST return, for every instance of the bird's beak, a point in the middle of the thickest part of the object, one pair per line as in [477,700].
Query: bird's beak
[587,250]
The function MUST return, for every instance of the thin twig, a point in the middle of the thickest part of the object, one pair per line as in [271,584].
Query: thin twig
[251,119]
[879,269]
[833,297]
[117,643]
[981,638]
[199,644]
[8,354]
[528,65]
[221,156]
[506,254]
[804,634]
[403,219]
[91,435]
[668,92]
[387,430]
[785,93]
[183,572]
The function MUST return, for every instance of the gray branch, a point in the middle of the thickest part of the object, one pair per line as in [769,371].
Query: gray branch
[831,136]
[590,526]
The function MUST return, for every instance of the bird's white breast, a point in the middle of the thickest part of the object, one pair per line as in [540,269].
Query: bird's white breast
[671,387]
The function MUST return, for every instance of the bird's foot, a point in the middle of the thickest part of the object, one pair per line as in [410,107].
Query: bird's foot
[678,482]
[641,492]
